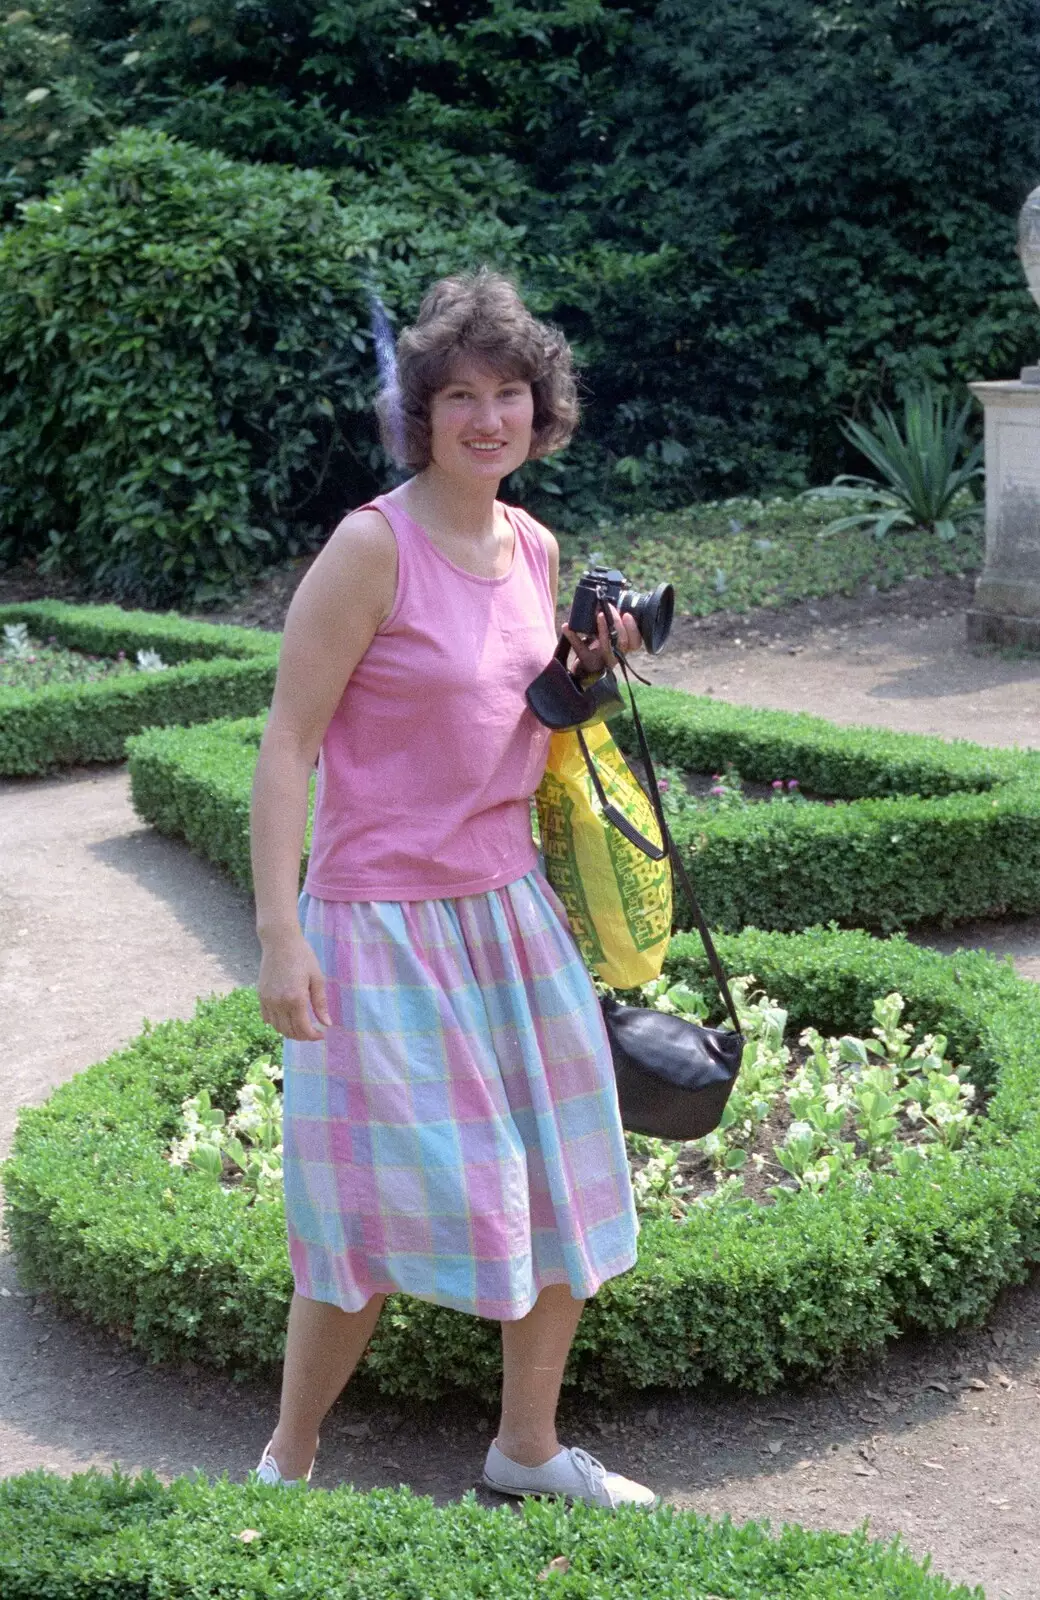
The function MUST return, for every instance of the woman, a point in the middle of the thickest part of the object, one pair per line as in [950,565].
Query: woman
[451,1123]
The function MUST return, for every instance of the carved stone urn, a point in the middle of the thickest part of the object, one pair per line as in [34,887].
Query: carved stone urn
[1007,596]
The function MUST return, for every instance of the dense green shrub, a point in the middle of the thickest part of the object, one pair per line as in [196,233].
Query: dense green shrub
[750,218]
[185,367]
[211,672]
[922,830]
[199,788]
[953,833]
[183,1269]
[137,1539]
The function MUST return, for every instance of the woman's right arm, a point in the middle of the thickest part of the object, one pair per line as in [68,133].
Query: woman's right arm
[333,618]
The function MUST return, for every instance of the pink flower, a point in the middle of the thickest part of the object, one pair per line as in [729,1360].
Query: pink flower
[663,785]
[717,789]
[778,783]
[792,783]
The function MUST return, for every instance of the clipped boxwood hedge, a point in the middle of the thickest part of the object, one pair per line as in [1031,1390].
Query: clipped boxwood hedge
[136,1539]
[183,1270]
[195,783]
[922,829]
[211,672]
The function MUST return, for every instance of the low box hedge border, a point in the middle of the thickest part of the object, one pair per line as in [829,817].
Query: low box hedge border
[196,784]
[99,1218]
[922,829]
[940,832]
[125,1538]
[211,672]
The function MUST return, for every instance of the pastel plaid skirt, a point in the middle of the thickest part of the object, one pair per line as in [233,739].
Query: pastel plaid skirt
[455,1135]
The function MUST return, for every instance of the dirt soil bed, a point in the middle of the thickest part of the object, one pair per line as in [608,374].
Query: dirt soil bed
[103,923]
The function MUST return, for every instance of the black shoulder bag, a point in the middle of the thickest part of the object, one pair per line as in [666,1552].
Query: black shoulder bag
[673,1076]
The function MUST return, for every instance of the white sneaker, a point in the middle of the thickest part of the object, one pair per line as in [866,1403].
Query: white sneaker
[574,1474]
[270,1473]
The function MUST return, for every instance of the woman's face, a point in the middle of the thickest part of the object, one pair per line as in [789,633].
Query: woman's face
[480,423]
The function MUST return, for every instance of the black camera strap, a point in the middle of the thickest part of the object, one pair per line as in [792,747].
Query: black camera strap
[668,846]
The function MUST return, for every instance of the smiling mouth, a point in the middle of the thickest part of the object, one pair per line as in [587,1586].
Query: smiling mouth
[485,445]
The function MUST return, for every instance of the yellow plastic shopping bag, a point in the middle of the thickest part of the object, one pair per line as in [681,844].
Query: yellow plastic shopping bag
[617,898]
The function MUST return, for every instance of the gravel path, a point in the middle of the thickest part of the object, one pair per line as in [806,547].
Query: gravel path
[103,923]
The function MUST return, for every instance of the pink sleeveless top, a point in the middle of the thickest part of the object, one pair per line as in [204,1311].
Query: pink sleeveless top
[429,763]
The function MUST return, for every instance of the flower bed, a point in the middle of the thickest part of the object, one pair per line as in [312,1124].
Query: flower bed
[920,829]
[750,1294]
[197,672]
[137,1539]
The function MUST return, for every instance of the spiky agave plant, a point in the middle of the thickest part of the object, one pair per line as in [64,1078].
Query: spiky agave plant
[924,480]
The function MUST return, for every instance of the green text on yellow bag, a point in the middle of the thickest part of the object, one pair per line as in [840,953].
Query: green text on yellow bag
[617,898]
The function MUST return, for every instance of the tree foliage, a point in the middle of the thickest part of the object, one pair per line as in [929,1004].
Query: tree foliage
[751,216]
[186,368]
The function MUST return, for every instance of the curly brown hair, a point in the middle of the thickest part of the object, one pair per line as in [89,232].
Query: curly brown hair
[480,315]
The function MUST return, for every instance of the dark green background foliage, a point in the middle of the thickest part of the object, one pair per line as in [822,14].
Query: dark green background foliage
[750,1295]
[922,830]
[137,1539]
[184,383]
[211,672]
[750,215]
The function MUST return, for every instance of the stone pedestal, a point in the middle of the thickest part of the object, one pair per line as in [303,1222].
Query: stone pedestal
[1007,595]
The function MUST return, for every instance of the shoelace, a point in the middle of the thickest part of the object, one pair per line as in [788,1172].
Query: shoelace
[592,1472]
[268,1460]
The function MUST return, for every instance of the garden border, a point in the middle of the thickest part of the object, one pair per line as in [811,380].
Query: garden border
[128,1537]
[932,831]
[752,1296]
[217,671]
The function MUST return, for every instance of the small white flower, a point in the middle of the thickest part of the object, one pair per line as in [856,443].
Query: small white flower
[150,661]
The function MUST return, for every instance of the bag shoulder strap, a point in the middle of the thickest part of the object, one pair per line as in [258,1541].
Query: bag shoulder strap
[678,866]
[656,852]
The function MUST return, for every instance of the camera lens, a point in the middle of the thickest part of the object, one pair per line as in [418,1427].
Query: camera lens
[653,613]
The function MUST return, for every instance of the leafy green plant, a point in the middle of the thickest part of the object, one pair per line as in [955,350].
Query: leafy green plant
[926,484]
[727,793]
[193,1269]
[186,369]
[739,553]
[857,1107]
[919,830]
[134,1538]
[894,143]
[249,1142]
[77,697]
[26,663]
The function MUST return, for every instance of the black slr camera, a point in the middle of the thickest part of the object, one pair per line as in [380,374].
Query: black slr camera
[562,699]
[653,611]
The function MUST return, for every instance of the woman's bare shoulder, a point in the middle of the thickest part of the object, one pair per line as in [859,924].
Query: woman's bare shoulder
[357,564]
[364,530]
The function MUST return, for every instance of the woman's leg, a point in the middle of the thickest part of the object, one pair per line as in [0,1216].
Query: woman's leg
[322,1348]
[534,1352]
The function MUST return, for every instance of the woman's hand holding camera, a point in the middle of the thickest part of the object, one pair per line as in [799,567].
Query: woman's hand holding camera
[595,656]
